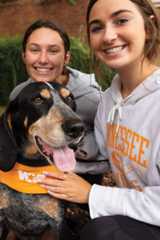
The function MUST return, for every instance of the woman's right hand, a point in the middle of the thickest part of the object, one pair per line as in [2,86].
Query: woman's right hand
[67,186]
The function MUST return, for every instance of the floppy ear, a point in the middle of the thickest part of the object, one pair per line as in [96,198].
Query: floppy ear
[8,148]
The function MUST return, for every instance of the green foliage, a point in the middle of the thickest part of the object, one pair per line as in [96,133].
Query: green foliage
[12,71]
[11,67]
[80,58]
[72,2]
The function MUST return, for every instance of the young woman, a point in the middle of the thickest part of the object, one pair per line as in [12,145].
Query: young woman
[46,53]
[124,35]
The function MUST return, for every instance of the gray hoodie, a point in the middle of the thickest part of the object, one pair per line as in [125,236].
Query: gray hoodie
[87,95]
[127,133]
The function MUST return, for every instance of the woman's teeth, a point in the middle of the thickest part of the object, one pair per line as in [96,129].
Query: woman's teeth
[43,70]
[114,49]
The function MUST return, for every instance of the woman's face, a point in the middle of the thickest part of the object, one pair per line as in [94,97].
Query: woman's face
[45,55]
[117,33]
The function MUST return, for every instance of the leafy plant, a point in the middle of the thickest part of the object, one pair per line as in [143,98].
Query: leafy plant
[80,58]
[72,2]
[12,70]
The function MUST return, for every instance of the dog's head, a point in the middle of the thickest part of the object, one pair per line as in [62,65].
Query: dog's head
[40,121]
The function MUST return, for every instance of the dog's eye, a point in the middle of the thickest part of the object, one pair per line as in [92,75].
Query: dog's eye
[38,100]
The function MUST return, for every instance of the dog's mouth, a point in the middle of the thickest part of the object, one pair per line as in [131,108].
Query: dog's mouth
[63,158]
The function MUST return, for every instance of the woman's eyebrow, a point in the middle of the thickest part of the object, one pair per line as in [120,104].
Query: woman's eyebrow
[54,45]
[97,21]
[120,11]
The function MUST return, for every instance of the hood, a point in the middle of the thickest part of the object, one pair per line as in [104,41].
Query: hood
[81,83]
[148,86]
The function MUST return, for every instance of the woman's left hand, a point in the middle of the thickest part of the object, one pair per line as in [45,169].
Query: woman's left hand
[68,186]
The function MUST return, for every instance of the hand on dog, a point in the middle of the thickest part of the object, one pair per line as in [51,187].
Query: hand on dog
[67,186]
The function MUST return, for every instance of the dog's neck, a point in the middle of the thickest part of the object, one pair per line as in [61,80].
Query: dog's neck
[24,178]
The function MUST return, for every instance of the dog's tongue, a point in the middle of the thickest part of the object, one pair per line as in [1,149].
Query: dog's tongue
[64,159]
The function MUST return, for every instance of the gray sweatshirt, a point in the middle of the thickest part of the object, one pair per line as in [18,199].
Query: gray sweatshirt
[87,95]
[127,133]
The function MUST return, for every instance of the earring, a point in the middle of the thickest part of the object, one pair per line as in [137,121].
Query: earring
[152,17]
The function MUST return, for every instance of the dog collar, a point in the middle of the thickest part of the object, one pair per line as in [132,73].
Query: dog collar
[24,178]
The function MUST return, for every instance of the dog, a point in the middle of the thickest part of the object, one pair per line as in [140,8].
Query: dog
[37,131]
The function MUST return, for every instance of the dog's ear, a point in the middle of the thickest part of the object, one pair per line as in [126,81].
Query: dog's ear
[8,148]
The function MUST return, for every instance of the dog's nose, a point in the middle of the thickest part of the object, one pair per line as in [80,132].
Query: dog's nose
[73,129]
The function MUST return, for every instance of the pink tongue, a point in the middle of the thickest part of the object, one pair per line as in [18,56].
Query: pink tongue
[64,159]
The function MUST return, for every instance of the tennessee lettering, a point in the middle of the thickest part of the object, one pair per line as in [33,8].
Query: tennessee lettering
[128,143]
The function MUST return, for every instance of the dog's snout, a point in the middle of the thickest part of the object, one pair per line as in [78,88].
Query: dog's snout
[73,129]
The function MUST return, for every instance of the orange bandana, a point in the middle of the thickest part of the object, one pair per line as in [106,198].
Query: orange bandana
[23,178]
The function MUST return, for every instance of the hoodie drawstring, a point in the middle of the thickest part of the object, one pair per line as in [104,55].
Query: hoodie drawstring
[115,114]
